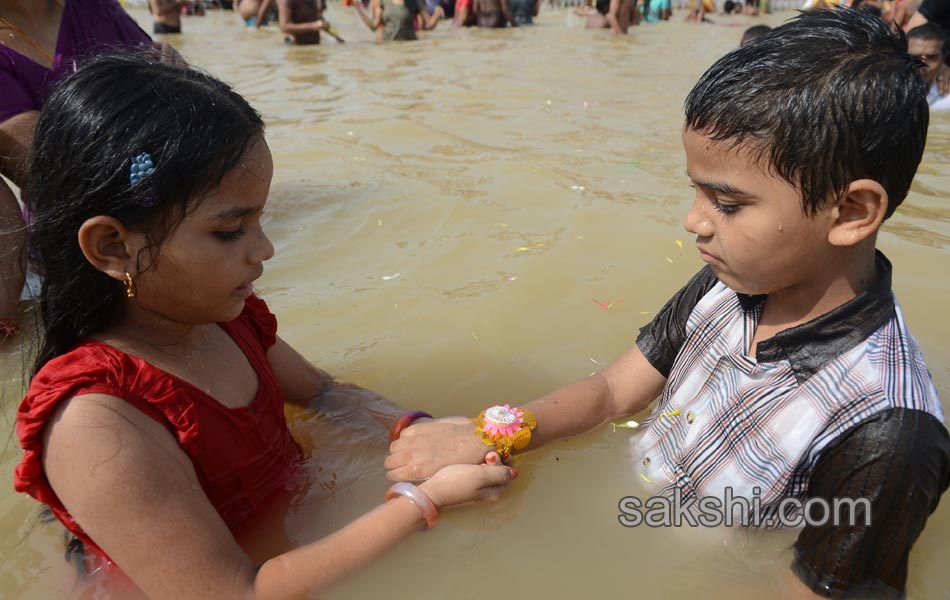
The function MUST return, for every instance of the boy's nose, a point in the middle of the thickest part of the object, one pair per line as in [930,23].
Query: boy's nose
[697,221]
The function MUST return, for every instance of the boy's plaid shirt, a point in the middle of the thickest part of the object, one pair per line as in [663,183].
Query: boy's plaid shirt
[728,420]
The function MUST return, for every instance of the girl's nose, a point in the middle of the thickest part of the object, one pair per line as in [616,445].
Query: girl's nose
[263,249]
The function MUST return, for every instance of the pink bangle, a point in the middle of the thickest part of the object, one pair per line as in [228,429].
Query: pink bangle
[417,497]
[405,421]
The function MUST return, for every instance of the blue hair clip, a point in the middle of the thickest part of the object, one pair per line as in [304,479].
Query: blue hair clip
[142,167]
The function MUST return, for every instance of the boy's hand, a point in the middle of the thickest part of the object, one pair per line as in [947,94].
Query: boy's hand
[425,447]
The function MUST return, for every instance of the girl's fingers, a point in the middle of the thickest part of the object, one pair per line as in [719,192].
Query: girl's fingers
[497,476]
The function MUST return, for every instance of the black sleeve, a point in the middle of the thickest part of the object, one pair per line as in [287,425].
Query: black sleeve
[937,11]
[660,340]
[900,461]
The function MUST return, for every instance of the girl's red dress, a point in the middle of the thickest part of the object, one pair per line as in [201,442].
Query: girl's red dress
[241,455]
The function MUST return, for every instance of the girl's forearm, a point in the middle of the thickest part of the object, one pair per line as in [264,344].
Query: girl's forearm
[340,398]
[314,568]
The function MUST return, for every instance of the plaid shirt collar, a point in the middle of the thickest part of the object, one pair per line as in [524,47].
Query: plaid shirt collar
[812,345]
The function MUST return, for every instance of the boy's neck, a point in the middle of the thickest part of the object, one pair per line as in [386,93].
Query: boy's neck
[836,284]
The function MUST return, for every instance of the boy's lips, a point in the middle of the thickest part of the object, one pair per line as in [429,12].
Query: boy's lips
[707,256]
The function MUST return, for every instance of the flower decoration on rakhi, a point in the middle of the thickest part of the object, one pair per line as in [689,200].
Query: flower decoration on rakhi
[505,427]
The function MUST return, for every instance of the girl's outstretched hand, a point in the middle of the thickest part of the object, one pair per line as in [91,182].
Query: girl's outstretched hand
[456,485]
[427,446]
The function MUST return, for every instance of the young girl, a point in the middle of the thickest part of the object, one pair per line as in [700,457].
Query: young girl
[154,421]
[395,20]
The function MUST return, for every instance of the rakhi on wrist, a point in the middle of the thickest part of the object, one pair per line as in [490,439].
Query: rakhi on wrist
[505,427]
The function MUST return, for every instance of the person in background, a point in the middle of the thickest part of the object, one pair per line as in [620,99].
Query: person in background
[254,12]
[928,42]
[655,11]
[167,14]
[731,7]
[595,11]
[302,21]
[396,20]
[524,11]
[918,12]
[620,15]
[493,13]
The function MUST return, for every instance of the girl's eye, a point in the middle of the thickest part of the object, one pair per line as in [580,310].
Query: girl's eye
[230,236]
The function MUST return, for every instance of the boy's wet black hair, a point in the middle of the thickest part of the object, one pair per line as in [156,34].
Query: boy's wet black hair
[753,32]
[98,119]
[829,97]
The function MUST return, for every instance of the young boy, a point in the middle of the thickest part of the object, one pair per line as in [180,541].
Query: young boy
[784,367]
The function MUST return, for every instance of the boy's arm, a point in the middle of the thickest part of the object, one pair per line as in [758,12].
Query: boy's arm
[625,387]
[898,464]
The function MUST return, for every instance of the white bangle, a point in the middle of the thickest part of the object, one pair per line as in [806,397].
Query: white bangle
[417,497]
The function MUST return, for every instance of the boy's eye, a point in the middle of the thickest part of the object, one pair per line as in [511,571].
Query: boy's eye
[230,236]
[726,209]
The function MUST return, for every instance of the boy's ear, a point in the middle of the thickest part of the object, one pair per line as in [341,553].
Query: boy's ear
[109,246]
[859,213]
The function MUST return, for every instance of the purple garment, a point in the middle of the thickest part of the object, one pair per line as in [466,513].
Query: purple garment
[88,27]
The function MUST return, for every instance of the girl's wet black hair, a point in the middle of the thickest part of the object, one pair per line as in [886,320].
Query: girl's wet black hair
[98,119]
[827,98]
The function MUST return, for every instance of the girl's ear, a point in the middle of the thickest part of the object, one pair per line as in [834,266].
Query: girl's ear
[859,213]
[109,246]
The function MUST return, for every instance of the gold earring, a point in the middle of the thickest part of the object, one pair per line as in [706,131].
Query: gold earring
[129,286]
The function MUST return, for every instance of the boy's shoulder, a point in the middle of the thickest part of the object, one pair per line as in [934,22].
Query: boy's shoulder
[865,341]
